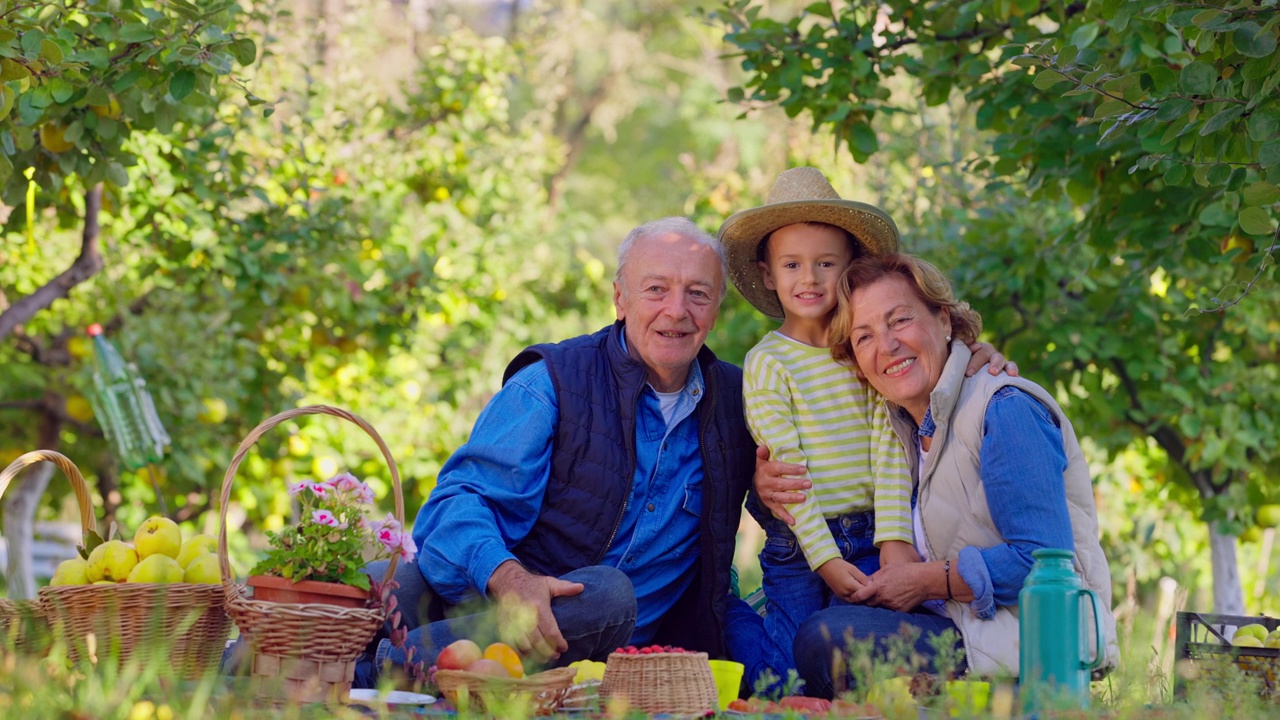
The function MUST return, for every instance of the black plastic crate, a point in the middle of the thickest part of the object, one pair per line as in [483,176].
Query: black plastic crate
[1201,650]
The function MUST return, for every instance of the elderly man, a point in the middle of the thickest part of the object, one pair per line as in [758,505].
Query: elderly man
[601,488]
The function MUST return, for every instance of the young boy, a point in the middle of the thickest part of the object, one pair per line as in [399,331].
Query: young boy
[786,257]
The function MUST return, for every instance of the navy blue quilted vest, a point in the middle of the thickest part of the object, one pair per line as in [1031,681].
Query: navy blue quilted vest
[598,386]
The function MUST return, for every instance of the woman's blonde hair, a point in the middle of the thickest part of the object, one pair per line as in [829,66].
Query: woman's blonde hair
[929,284]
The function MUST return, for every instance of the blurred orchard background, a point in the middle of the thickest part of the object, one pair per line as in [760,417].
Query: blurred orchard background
[374,204]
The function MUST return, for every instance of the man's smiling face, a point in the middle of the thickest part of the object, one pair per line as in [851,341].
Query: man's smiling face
[669,297]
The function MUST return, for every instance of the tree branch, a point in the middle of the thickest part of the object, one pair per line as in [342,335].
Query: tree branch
[86,265]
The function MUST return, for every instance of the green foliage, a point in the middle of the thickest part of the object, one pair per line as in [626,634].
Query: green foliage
[1120,185]
[79,81]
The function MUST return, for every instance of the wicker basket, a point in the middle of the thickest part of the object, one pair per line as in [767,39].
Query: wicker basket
[545,691]
[181,625]
[675,683]
[302,653]
[23,621]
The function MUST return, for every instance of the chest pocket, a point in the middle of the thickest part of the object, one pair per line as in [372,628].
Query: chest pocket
[693,499]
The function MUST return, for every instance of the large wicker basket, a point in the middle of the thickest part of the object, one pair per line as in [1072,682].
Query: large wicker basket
[181,627]
[544,691]
[23,621]
[674,683]
[302,653]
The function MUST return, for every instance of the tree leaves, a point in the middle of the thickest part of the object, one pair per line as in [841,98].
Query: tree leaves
[1252,41]
[1256,221]
[181,84]
[1197,78]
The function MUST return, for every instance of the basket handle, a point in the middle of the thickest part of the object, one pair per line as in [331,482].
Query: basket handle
[261,430]
[67,467]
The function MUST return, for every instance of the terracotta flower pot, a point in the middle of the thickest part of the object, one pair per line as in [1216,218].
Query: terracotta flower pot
[270,588]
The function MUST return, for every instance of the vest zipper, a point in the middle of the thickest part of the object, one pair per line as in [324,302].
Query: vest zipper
[631,476]
[708,500]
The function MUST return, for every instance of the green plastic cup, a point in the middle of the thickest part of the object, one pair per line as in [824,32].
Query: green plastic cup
[728,677]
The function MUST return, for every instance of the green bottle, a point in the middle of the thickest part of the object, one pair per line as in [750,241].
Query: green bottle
[124,407]
[1054,662]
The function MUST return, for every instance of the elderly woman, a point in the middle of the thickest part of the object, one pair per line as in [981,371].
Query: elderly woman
[998,474]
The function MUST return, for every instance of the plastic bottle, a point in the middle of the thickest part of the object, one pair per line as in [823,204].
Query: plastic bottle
[124,407]
[1054,653]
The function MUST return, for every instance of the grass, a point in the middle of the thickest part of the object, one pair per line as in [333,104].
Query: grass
[51,687]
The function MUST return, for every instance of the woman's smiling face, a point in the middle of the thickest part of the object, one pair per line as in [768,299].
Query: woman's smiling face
[899,343]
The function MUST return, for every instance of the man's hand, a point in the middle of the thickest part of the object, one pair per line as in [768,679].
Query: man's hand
[900,587]
[842,577]
[984,355]
[779,484]
[524,610]
[893,552]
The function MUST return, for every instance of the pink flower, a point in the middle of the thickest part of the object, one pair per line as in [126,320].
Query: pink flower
[346,482]
[295,488]
[324,517]
[408,548]
[320,489]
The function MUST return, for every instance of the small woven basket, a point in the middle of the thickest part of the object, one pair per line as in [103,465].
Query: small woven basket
[544,691]
[674,683]
[23,621]
[302,652]
[180,626]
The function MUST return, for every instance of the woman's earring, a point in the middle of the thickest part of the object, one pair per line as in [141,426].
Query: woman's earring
[948,338]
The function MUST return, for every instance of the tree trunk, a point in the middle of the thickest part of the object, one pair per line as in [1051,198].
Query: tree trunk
[1228,595]
[19,525]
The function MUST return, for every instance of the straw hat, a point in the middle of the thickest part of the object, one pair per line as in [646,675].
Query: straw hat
[798,195]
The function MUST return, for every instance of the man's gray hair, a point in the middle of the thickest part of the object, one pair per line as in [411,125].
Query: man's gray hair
[675,225]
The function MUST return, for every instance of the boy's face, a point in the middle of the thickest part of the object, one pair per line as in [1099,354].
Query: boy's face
[803,266]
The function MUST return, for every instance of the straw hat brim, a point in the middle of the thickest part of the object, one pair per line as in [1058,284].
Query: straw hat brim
[743,231]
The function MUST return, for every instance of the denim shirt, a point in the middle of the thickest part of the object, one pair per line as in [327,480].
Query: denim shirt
[490,492]
[1022,466]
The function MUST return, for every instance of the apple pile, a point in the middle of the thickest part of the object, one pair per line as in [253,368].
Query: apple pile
[1256,635]
[497,660]
[156,555]
[652,649]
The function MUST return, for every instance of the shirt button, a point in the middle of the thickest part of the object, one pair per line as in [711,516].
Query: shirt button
[696,391]
[650,507]
[630,559]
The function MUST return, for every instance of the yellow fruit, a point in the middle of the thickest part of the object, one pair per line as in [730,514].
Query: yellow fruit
[158,536]
[112,560]
[103,582]
[1273,639]
[79,347]
[196,546]
[1246,641]
[507,657]
[157,569]
[204,570]
[79,409]
[111,110]
[323,468]
[587,670]
[1253,533]
[1256,630]
[299,446]
[215,411]
[53,138]
[71,572]
[1269,516]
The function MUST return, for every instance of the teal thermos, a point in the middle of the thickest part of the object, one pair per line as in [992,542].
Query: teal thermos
[1055,659]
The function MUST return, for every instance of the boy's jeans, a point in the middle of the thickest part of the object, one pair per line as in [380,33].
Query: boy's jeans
[794,593]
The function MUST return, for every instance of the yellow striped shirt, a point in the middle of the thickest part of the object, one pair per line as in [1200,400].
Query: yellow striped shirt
[810,410]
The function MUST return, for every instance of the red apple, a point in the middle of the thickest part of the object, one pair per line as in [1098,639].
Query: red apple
[458,655]
[485,666]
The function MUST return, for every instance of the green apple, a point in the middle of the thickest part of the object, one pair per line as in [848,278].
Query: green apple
[158,536]
[1246,641]
[112,560]
[71,572]
[195,546]
[1272,640]
[204,570]
[1269,515]
[1257,630]
[156,568]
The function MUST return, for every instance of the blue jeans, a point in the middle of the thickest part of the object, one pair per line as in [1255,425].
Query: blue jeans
[794,592]
[595,622]
[829,631]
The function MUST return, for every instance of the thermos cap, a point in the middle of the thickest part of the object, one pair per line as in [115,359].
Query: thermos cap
[94,330]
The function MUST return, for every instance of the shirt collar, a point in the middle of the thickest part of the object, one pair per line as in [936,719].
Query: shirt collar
[694,386]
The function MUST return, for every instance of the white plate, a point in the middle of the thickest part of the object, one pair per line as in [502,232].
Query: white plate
[395,697]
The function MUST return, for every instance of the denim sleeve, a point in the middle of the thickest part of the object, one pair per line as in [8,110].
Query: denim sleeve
[490,491]
[1023,462]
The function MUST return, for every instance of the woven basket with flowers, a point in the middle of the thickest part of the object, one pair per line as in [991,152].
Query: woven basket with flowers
[309,619]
